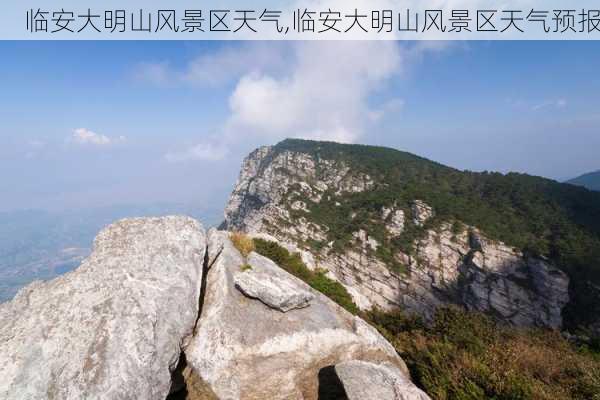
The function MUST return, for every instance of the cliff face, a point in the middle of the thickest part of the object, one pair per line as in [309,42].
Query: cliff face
[281,194]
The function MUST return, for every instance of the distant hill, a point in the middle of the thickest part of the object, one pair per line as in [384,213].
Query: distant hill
[590,181]
[40,245]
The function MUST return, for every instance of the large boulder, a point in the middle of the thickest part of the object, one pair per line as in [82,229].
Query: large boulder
[281,294]
[246,348]
[364,380]
[114,327]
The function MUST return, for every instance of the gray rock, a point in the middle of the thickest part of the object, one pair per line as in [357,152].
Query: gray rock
[524,291]
[244,350]
[364,240]
[252,198]
[447,267]
[395,225]
[281,294]
[111,329]
[369,381]
[422,212]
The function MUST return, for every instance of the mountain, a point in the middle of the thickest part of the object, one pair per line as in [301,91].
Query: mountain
[401,231]
[371,274]
[40,245]
[163,309]
[590,181]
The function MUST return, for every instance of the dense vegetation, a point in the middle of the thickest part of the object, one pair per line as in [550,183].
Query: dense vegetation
[540,216]
[293,264]
[464,356]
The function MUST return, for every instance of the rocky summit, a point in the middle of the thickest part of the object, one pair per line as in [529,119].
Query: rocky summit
[113,328]
[162,310]
[248,346]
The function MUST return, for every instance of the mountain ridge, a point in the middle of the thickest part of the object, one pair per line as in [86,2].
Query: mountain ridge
[332,196]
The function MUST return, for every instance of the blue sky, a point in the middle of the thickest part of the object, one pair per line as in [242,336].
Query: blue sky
[98,123]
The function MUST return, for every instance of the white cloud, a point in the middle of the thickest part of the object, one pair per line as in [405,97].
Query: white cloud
[325,94]
[217,67]
[313,90]
[83,136]
[533,105]
[392,106]
[232,62]
[158,74]
[557,104]
[203,152]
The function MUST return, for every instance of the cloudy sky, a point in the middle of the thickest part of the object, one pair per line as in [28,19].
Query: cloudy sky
[98,123]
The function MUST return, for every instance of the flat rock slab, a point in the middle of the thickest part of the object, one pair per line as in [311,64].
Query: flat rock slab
[280,294]
[113,328]
[368,381]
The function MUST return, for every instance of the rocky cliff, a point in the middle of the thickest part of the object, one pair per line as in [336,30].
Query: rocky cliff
[388,251]
[162,309]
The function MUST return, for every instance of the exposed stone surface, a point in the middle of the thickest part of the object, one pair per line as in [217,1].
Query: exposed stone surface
[111,329]
[522,290]
[421,212]
[489,276]
[246,350]
[394,219]
[252,198]
[158,310]
[364,380]
[447,266]
[365,241]
[280,293]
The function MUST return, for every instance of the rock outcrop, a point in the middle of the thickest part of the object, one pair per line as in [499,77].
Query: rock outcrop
[262,187]
[282,294]
[394,219]
[159,310]
[114,327]
[451,263]
[364,380]
[421,212]
[245,348]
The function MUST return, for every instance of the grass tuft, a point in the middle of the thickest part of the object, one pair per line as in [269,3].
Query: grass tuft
[242,242]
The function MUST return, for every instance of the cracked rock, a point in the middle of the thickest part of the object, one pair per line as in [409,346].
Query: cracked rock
[276,293]
[244,350]
[112,328]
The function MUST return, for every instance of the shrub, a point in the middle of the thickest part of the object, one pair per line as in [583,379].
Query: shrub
[246,267]
[243,243]
[334,290]
[292,263]
[463,355]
